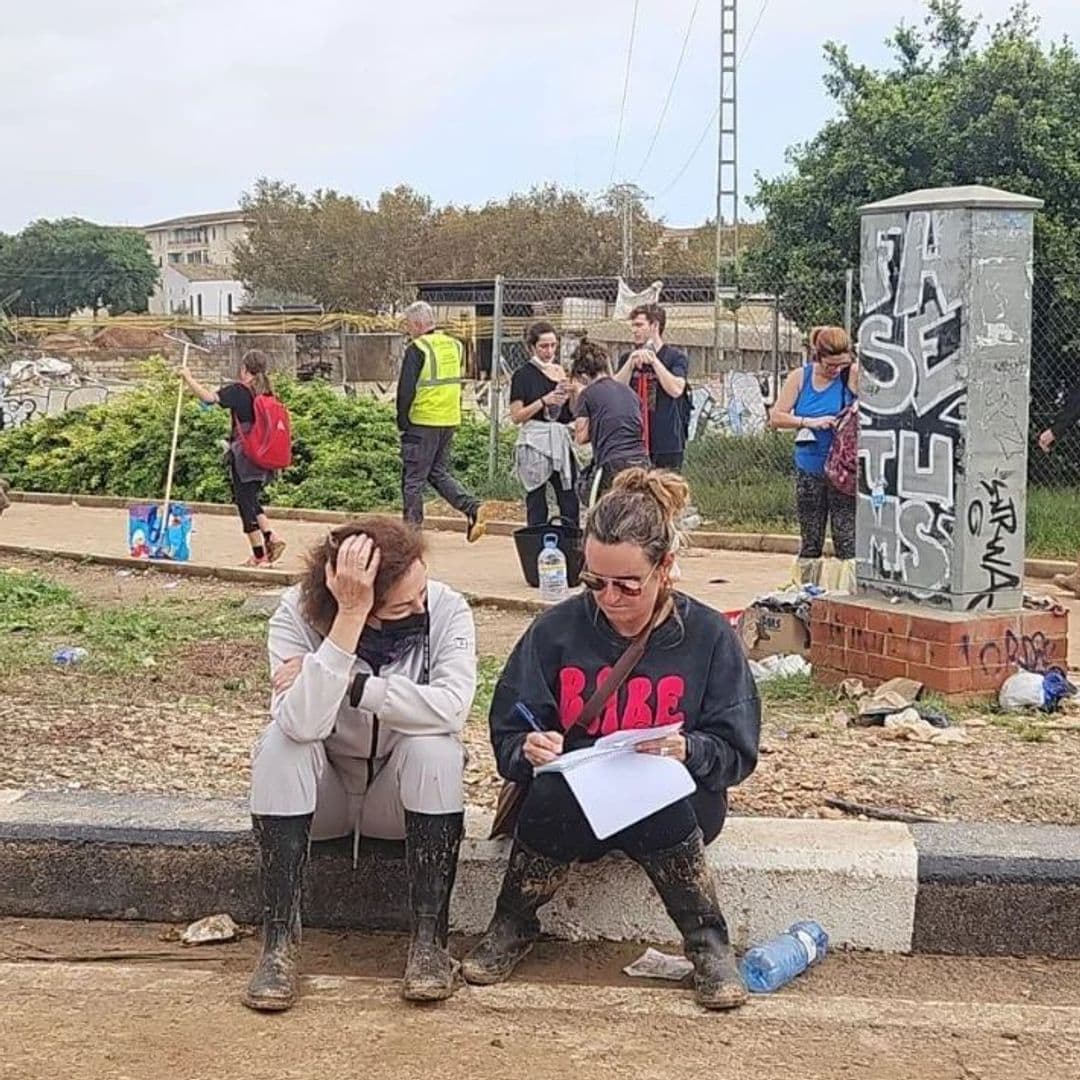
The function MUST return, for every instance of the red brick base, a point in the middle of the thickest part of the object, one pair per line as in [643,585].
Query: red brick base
[955,654]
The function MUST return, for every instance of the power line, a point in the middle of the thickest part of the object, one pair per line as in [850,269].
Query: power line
[671,88]
[625,91]
[716,112]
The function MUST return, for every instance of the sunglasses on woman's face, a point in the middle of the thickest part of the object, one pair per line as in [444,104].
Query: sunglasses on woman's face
[836,363]
[632,587]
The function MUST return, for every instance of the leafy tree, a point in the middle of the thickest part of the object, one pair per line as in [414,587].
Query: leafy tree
[348,254]
[951,109]
[57,267]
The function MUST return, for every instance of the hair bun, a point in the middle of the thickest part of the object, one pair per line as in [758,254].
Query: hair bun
[668,489]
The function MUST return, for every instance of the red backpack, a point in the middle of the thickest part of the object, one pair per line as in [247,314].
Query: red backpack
[842,464]
[267,444]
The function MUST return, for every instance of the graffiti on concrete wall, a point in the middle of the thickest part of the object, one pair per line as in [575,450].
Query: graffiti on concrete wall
[913,405]
[734,404]
[21,402]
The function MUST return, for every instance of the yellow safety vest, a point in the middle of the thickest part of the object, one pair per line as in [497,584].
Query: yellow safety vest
[438,392]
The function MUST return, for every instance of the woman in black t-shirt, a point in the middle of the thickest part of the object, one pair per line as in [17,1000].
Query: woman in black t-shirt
[539,394]
[247,478]
[609,417]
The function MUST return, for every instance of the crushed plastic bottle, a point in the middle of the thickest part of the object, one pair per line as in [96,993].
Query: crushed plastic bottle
[877,495]
[69,656]
[551,570]
[767,967]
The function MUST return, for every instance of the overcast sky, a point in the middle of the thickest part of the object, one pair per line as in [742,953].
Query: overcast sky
[127,111]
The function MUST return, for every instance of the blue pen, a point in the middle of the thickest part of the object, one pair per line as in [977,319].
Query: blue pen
[525,713]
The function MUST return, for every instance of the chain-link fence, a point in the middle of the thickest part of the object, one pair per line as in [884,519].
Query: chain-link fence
[740,471]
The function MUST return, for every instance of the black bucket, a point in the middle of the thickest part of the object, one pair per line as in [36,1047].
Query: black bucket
[529,542]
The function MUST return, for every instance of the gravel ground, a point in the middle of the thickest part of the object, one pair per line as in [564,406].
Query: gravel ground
[186,724]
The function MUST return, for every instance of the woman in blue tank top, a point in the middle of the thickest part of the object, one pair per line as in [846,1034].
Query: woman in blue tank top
[810,403]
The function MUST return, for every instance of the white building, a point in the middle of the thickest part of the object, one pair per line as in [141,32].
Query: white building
[197,240]
[204,292]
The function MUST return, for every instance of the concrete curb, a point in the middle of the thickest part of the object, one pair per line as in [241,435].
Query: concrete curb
[972,889]
[768,543]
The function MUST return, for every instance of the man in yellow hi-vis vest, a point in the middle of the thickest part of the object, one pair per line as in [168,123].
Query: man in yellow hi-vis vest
[428,414]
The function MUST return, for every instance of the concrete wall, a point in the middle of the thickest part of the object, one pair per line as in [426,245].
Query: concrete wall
[945,349]
[371,357]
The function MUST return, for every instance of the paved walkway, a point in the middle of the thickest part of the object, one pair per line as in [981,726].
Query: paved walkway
[727,580]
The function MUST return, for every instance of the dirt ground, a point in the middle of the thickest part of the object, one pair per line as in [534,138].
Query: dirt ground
[187,724]
[125,1002]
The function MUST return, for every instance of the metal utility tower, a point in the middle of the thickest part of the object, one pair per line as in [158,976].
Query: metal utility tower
[626,198]
[727,172]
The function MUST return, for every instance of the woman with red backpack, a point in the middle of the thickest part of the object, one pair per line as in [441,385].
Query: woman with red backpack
[259,445]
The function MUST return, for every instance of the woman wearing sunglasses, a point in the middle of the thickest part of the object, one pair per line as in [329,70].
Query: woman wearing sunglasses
[692,670]
[810,402]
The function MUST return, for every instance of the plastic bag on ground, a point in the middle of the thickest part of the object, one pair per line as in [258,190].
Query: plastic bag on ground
[778,667]
[1022,690]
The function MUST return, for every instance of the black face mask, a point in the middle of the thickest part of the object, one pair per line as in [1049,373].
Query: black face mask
[385,644]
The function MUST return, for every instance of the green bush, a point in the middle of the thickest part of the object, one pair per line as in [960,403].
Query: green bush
[345,453]
[345,450]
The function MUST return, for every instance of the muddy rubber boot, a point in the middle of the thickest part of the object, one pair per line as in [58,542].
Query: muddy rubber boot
[683,880]
[531,881]
[283,844]
[1069,581]
[808,571]
[432,842]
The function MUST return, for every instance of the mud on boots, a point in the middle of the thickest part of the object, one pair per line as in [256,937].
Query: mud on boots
[682,877]
[432,842]
[531,881]
[283,847]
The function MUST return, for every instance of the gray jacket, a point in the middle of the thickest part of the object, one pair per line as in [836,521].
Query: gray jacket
[316,707]
[544,449]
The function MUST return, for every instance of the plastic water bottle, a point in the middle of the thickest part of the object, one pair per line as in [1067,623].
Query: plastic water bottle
[69,656]
[877,495]
[551,570]
[767,967]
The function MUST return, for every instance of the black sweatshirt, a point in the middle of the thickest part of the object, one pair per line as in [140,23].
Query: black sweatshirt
[695,672]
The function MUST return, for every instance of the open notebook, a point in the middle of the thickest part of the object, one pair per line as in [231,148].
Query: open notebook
[616,786]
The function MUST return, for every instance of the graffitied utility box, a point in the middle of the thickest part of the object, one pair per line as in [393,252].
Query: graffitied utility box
[945,349]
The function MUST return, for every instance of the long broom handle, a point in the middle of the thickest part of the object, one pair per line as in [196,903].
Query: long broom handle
[172,457]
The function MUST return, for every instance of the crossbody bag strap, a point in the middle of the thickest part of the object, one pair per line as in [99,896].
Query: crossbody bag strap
[621,671]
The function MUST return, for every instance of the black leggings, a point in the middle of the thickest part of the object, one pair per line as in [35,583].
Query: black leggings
[536,504]
[552,823]
[818,503]
[247,494]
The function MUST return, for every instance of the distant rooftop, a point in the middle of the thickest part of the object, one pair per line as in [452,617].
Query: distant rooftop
[204,272]
[218,217]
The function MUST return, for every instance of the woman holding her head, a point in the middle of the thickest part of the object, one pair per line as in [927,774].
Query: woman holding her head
[811,402]
[692,671]
[539,405]
[246,478]
[374,671]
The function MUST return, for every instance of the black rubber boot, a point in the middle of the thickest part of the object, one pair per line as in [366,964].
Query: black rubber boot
[283,844]
[531,881]
[432,842]
[683,880]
